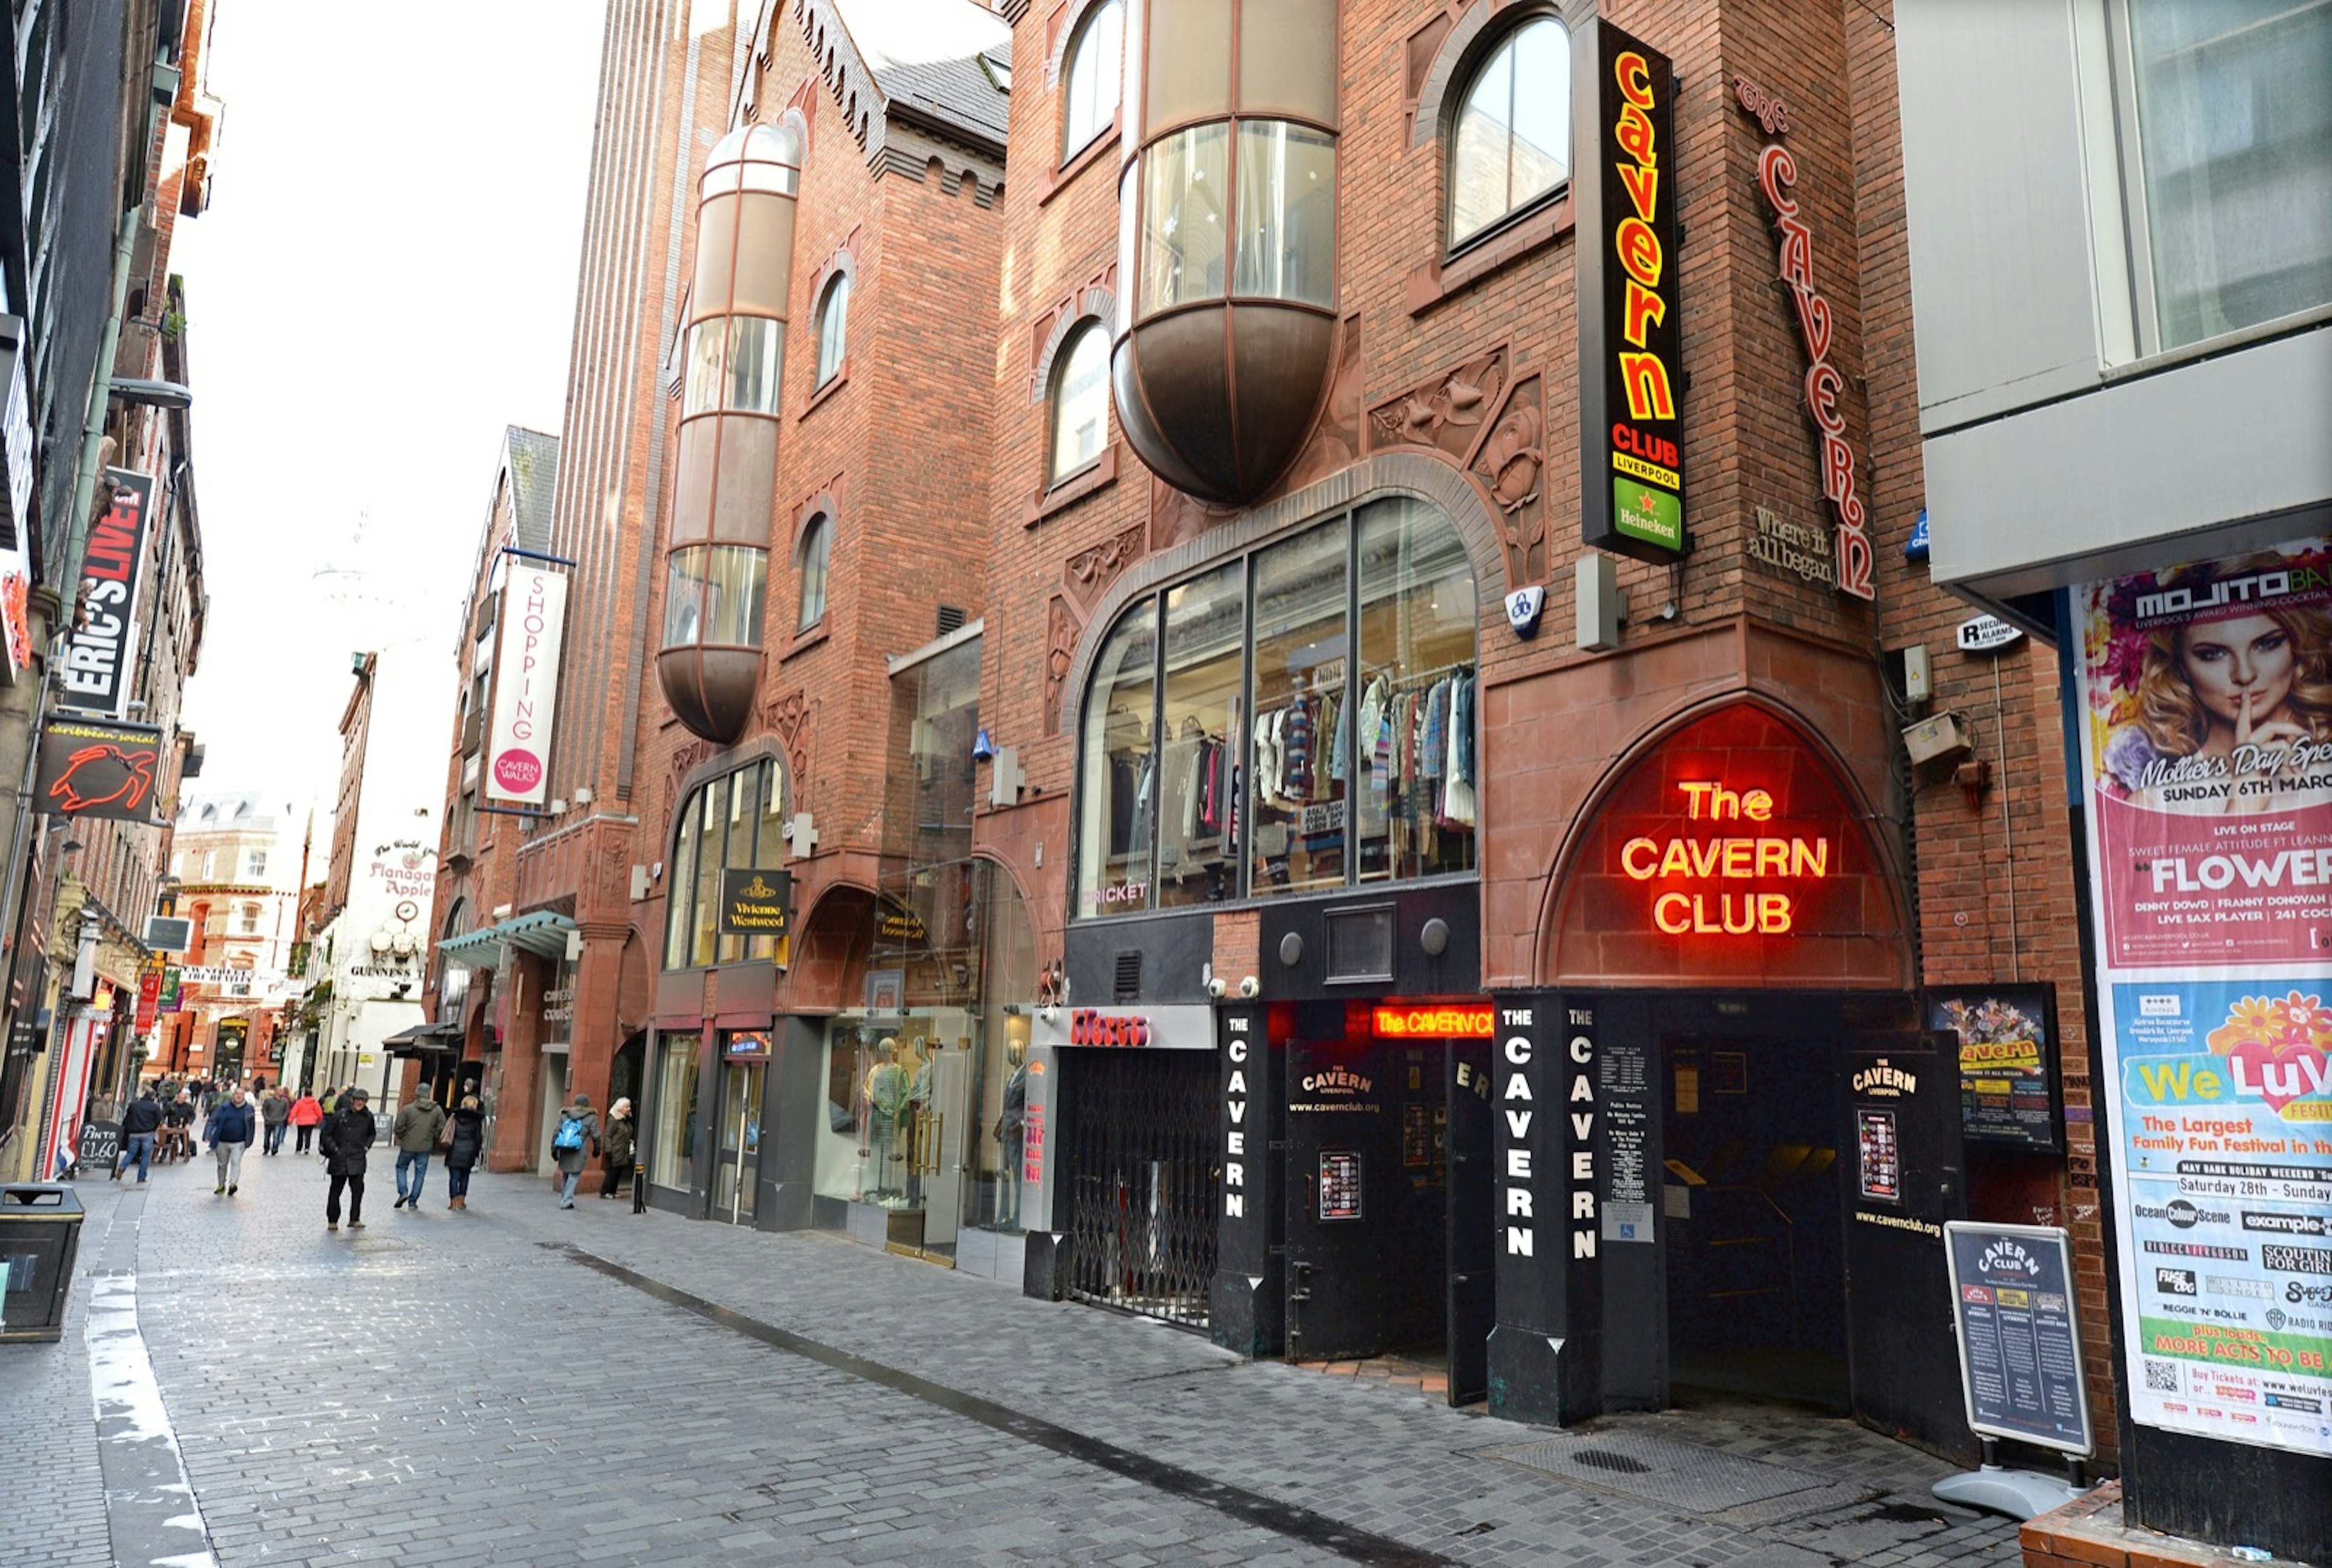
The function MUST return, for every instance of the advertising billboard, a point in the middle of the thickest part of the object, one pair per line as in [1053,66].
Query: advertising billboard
[534,617]
[92,769]
[2205,706]
[97,672]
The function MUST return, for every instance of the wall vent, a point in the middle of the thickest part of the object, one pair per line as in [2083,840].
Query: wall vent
[951,619]
[1127,983]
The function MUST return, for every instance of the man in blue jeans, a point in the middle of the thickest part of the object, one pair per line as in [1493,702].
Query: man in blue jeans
[415,1132]
[140,1122]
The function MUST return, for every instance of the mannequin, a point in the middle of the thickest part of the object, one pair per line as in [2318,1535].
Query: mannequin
[881,1101]
[1011,1128]
[916,1124]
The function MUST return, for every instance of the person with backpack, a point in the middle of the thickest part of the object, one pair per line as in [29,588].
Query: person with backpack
[466,1144]
[231,1129]
[576,1140]
[307,1110]
[347,1142]
[415,1133]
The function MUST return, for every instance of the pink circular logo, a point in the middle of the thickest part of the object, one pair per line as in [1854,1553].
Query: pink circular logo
[518,769]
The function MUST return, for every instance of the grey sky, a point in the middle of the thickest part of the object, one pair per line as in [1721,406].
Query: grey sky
[385,280]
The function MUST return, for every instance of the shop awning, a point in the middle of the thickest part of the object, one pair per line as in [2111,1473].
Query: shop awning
[423,1037]
[542,933]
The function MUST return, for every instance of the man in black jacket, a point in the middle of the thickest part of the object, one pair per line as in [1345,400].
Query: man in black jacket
[139,1124]
[347,1142]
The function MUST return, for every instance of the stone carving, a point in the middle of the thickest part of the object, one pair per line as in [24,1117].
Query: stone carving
[1446,412]
[1175,516]
[684,761]
[1511,463]
[789,717]
[1061,628]
[1087,574]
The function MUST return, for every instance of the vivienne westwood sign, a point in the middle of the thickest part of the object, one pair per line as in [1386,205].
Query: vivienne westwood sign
[1777,173]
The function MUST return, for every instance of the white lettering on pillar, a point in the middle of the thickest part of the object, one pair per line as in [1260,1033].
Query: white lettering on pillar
[1582,1127]
[1522,1231]
[1235,1096]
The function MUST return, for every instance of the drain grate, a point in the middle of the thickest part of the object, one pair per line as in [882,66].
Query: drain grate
[1660,1469]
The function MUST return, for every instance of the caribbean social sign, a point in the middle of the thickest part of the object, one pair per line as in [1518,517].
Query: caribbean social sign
[95,768]
[2008,1078]
[1630,336]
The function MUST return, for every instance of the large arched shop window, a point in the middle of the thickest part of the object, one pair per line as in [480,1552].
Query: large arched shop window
[1509,144]
[1346,771]
[733,822]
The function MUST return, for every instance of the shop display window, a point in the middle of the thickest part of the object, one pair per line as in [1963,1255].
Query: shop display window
[673,1158]
[890,1100]
[1415,778]
[734,823]
[1341,769]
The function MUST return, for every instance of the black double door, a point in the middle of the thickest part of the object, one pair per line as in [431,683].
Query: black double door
[1389,1214]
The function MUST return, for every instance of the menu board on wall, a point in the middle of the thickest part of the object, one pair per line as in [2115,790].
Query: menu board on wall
[2007,1060]
[2205,695]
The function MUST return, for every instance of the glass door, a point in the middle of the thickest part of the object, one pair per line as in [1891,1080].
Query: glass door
[737,1157]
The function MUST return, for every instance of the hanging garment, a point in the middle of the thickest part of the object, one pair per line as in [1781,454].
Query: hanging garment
[1457,804]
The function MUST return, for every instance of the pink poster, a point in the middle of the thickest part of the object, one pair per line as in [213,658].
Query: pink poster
[2208,693]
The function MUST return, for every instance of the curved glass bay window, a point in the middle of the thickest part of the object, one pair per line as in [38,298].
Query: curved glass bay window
[716,563]
[1227,236]
[730,823]
[1299,720]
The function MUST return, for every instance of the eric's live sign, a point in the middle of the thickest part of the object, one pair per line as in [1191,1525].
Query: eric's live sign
[1631,370]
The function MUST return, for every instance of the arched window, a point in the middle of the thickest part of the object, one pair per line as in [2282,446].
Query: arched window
[732,823]
[833,327]
[817,549]
[1510,141]
[1090,83]
[1080,400]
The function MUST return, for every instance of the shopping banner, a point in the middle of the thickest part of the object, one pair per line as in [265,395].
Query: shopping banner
[2205,695]
[526,685]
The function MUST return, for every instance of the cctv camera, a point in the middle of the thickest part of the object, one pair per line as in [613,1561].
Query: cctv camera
[1250,987]
[1216,988]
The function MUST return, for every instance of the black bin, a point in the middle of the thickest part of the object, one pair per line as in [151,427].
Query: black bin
[39,1234]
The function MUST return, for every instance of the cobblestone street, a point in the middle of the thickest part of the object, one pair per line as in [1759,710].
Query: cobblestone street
[523,1385]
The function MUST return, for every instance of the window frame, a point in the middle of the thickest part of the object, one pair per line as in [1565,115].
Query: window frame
[1081,40]
[833,329]
[767,775]
[1501,38]
[1087,330]
[816,533]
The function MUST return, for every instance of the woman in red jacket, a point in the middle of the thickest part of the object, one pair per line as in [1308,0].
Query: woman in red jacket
[307,1110]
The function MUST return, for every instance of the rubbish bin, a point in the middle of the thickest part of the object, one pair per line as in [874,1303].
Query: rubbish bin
[39,1234]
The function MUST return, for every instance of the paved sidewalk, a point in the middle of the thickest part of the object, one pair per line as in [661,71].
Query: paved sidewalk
[521,1385]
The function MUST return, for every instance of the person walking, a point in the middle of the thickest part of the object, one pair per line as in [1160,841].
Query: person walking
[231,1129]
[347,1142]
[576,1140]
[138,1123]
[306,1112]
[466,1144]
[622,1141]
[274,1116]
[415,1133]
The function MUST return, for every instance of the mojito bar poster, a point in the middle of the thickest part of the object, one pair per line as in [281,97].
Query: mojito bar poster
[2206,696]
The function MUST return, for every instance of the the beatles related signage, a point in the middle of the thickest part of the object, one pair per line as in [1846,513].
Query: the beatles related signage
[2020,1345]
[2008,1077]
[208,974]
[1777,172]
[756,903]
[1794,549]
[1433,1021]
[95,768]
[2206,744]
[97,672]
[1179,1027]
[1733,867]
[526,685]
[1631,333]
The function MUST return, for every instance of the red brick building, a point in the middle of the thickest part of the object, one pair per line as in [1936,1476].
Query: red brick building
[1147,601]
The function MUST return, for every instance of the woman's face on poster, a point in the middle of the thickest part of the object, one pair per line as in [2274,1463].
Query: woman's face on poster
[2242,661]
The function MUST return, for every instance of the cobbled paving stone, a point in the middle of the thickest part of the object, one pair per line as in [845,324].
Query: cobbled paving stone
[460,1389]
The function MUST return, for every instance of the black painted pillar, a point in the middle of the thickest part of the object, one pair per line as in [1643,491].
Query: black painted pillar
[1247,1302]
[1546,1351]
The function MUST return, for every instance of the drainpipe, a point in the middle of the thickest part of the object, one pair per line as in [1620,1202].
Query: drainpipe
[92,436]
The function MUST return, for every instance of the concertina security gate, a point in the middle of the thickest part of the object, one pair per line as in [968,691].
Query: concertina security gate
[1143,1182]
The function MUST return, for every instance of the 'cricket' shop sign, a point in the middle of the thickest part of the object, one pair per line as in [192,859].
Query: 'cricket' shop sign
[1777,173]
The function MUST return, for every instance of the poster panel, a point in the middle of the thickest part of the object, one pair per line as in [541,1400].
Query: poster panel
[98,769]
[2007,1061]
[534,615]
[2205,709]
[2012,1299]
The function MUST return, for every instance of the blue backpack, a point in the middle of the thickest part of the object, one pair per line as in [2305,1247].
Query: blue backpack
[570,1135]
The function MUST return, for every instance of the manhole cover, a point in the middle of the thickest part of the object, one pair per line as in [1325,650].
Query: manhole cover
[1603,1461]
[1662,1469]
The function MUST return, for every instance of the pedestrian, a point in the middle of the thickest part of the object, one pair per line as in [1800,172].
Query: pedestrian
[276,1116]
[177,1123]
[347,1142]
[576,1140]
[622,1141]
[232,1128]
[138,1123]
[415,1134]
[465,1137]
[306,1112]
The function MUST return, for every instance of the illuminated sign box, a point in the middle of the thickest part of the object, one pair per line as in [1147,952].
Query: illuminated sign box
[1431,1021]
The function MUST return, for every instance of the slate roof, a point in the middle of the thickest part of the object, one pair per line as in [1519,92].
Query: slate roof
[925,56]
[533,459]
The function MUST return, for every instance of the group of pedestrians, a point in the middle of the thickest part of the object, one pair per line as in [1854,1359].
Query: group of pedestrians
[158,1125]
